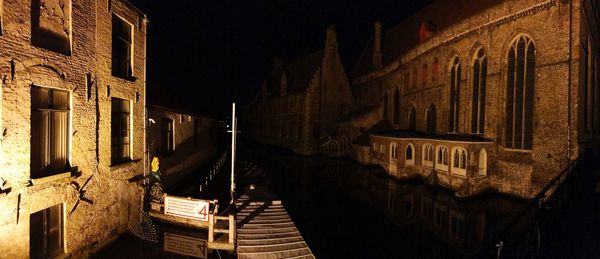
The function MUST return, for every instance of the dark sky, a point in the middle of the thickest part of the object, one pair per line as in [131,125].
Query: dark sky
[204,54]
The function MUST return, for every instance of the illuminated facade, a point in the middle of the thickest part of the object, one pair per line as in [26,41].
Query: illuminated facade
[72,116]
[495,95]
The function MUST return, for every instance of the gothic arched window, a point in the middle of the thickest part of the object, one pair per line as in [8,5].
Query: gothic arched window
[478,98]
[519,94]
[454,94]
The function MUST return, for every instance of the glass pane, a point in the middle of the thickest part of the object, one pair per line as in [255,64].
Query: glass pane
[518,137]
[60,99]
[475,98]
[529,97]
[510,88]
[36,235]
[482,95]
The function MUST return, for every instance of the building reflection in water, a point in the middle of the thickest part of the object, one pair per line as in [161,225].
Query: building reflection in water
[345,210]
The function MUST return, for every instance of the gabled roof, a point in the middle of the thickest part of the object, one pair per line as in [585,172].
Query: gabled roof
[298,73]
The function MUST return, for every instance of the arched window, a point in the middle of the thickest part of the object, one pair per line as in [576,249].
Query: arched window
[409,157]
[454,94]
[430,118]
[459,161]
[478,98]
[385,106]
[424,75]
[519,94]
[428,155]
[414,77]
[396,106]
[482,163]
[412,118]
[435,70]
[441,161]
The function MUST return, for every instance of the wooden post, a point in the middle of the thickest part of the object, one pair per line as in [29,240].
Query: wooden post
[211,228]
[232,229]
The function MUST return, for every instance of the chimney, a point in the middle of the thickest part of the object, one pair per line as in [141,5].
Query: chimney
[377,44]
[331,38]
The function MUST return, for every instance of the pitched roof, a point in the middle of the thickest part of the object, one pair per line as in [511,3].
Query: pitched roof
[298,73]
[404,36]
[423,135]
[442,13]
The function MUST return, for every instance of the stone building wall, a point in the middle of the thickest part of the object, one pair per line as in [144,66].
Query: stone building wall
[63,52]
[555,27]
[194,140]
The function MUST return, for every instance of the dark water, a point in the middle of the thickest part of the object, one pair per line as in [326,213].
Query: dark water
[345,210]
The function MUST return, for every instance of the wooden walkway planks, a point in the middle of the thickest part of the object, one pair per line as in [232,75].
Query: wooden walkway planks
[264,229]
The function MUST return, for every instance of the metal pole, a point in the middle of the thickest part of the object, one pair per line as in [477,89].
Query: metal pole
[233,133]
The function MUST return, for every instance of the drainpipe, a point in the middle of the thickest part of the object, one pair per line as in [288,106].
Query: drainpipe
[146,123]
[570,101]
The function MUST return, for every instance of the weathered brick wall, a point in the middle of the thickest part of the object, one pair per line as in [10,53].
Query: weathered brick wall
[187,156]
[22,65]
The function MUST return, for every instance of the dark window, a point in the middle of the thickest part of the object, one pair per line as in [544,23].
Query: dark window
[396,106]
[46,233]
[519,94]
[168,137]
[454,95]
[412,119]
[49,131]
[409,152]
[424,75]
[478,98]
[122,47]
[385,106]
[430,114]
[435,70]
[120,131]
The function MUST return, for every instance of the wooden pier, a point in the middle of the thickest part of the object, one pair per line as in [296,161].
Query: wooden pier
[264,229]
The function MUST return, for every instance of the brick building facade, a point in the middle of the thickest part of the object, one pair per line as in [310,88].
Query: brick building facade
[301,104]
[72,116]
[498,94]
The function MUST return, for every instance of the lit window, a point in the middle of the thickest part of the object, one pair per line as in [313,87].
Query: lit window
[442,158]
[46,233]
[394,151]
[459,161]
[428,155]
[120,131]
[122,48]
[49,131]
[519,94]
[478,98]
[454,95]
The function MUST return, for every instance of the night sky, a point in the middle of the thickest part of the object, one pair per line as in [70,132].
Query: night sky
[204,54]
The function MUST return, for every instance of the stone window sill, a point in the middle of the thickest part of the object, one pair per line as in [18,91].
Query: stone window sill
[116,165]
[51,178]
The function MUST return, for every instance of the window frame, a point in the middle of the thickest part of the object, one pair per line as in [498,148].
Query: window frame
[411,160]
[526,129]
[168,132]
[131,43]
[478,91]
[461,169]
[427,161]
[445,153]
[48,153]
[129,156]
[454,72]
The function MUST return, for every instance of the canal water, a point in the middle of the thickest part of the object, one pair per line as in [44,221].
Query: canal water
[346,210]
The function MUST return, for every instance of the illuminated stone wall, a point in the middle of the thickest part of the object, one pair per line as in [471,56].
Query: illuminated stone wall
[558,85]
[70,56]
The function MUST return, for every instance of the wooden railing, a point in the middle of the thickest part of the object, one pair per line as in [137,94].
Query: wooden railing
[213,219]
